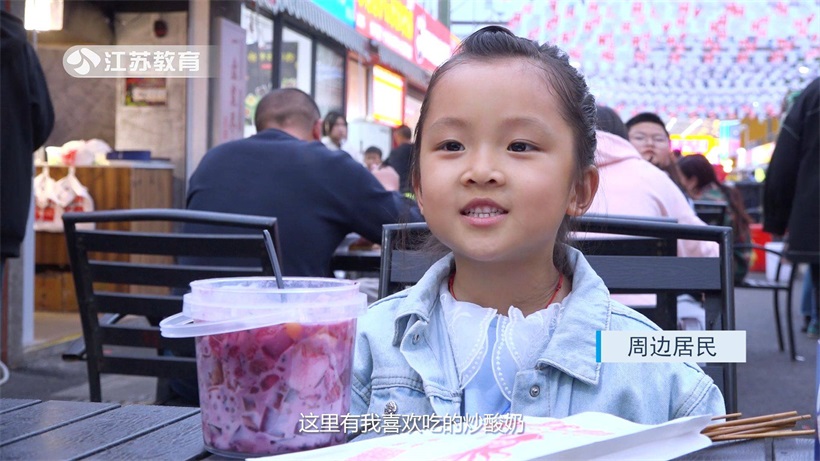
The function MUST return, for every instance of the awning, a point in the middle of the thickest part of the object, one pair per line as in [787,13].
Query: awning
[413,72]
[322,21]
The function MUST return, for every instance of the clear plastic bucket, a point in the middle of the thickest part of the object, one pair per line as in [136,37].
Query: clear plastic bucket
[268,356]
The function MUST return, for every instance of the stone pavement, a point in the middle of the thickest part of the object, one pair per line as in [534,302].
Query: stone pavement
[767,383]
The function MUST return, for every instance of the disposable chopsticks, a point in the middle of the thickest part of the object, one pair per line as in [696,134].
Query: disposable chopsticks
[774,425]
[763,435]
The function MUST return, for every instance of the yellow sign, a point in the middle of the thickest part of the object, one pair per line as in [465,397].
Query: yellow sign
[388,96]
[394,13]
[694,144]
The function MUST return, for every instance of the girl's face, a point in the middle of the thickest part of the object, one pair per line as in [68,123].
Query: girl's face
[690,183]
[338,132]
[497,163]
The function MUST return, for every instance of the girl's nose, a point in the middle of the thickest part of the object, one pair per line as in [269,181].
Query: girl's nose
[483,168]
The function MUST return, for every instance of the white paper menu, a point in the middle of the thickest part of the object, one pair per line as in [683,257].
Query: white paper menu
[587,436]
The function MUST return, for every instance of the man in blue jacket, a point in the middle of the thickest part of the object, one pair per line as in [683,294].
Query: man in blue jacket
[318,196]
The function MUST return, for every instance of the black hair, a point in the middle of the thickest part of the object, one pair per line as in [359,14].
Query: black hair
[404,131]
[373,150]
[697,166]
[330,119]
[576,103]
[608,120]
[646,117]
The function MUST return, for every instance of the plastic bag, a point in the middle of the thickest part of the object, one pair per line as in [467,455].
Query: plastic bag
[68,153]
[70,195]
[93,151]
[48,216]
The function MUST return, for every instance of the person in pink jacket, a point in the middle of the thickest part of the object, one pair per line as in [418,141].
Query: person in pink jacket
[631,186]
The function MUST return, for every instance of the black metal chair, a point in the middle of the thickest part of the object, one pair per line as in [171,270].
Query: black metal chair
[119,273]
[711,212]
[775,286]
[714,213]
[664,312]
[752,194]
[631,217]
[408,262]
[662,273]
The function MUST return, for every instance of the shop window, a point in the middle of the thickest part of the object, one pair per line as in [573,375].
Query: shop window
[297,58]
[356,90]
[329,79]
[259,51]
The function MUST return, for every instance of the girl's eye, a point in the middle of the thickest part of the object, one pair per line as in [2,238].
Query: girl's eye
[520,147]
[452,146]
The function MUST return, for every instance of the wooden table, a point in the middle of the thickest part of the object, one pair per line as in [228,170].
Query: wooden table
[33,429]
[771,449]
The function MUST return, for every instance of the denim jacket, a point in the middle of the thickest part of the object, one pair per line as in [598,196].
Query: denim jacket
[404,361]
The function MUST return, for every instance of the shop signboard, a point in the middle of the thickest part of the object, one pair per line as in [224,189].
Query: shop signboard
[694,144]
[389,22]
[432,42]
[229,112]
[141,91]
[344,10]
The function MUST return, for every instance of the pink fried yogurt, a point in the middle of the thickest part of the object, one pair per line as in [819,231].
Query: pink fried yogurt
[255,385]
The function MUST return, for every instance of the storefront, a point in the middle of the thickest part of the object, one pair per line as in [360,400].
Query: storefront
[298,45]
[327,48]
[126,114]
[370,60]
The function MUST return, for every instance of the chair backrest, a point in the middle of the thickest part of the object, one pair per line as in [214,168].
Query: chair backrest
[404,259]
[752,194]
[654,269]
[128,266]
[631,217]
[665,308]
[711,212]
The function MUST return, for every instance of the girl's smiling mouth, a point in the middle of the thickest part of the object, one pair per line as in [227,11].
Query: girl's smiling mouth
[483,211]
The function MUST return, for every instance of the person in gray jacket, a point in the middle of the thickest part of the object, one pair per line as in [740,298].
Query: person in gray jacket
[506,322]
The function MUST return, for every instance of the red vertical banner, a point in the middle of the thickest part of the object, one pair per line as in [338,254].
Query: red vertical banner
[431,43]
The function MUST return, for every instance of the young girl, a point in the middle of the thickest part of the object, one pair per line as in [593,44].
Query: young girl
[700,180]
[506,323]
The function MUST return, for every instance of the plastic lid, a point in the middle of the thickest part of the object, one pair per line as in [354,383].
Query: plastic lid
[217,306]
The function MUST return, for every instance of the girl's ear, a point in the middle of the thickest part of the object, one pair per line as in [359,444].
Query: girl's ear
[419,199]
[583,192]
